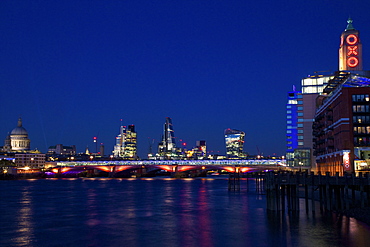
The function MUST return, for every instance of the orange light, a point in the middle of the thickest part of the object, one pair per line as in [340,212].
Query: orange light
[351,39]
[166,168]
[229,168]
[352,50]
[122,168]
[185,168]
[352,62]
[65,169]
[104,168]
[244,169]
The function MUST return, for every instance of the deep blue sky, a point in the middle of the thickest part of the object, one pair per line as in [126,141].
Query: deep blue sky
[73,69]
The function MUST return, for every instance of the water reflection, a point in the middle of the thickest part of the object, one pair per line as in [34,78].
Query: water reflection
[25,228]
[158,212]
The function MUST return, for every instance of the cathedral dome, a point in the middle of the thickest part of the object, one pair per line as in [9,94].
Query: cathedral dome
[19,130]
[19,141]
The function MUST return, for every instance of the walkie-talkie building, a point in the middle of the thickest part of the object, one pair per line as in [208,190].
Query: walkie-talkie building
[234,140]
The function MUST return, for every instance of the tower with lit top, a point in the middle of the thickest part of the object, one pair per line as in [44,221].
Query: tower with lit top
[350,50]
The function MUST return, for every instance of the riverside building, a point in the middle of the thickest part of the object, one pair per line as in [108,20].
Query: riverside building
[341,126]
[301,106]
[350,59]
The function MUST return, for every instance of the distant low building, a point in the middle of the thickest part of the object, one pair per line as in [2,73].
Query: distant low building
[30,160]
[62,150]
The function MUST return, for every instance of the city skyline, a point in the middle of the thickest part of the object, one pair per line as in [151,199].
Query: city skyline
[73,70]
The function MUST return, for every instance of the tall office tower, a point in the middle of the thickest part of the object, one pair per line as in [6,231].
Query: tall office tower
[234,140]
[118,150]
[292,124]
[130,143]
[350,50]
[167,147]
[102,149]
[312,87]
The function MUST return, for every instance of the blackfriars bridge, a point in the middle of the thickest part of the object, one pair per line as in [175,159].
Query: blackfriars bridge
[172,166]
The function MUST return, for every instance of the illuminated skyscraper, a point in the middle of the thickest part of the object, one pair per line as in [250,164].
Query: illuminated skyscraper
[292,124]
[130,143]
[126,143]
[234,140]
[167,147]
[118,150]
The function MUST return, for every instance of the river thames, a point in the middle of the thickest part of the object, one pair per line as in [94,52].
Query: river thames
[159,212]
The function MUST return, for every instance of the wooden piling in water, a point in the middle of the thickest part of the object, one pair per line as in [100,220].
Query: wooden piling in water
[332,192]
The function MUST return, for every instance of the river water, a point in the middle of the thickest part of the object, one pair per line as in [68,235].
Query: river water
[158,212]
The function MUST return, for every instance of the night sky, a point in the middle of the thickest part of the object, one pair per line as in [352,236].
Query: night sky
[73,69]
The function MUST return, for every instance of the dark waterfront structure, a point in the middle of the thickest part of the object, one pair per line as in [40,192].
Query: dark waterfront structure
[234,140]
[334,193]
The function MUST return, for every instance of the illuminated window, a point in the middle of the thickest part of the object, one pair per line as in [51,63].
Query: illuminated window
[300,143]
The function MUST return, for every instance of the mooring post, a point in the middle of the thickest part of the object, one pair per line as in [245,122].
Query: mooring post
[353,190]
[327,192]
[362,199]
[296,192]
[277,189]
[367,187]
[346,194]
[305,178]
[321,192]
[313,191]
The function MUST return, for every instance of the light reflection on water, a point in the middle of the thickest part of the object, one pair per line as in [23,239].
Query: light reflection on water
[158,212]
